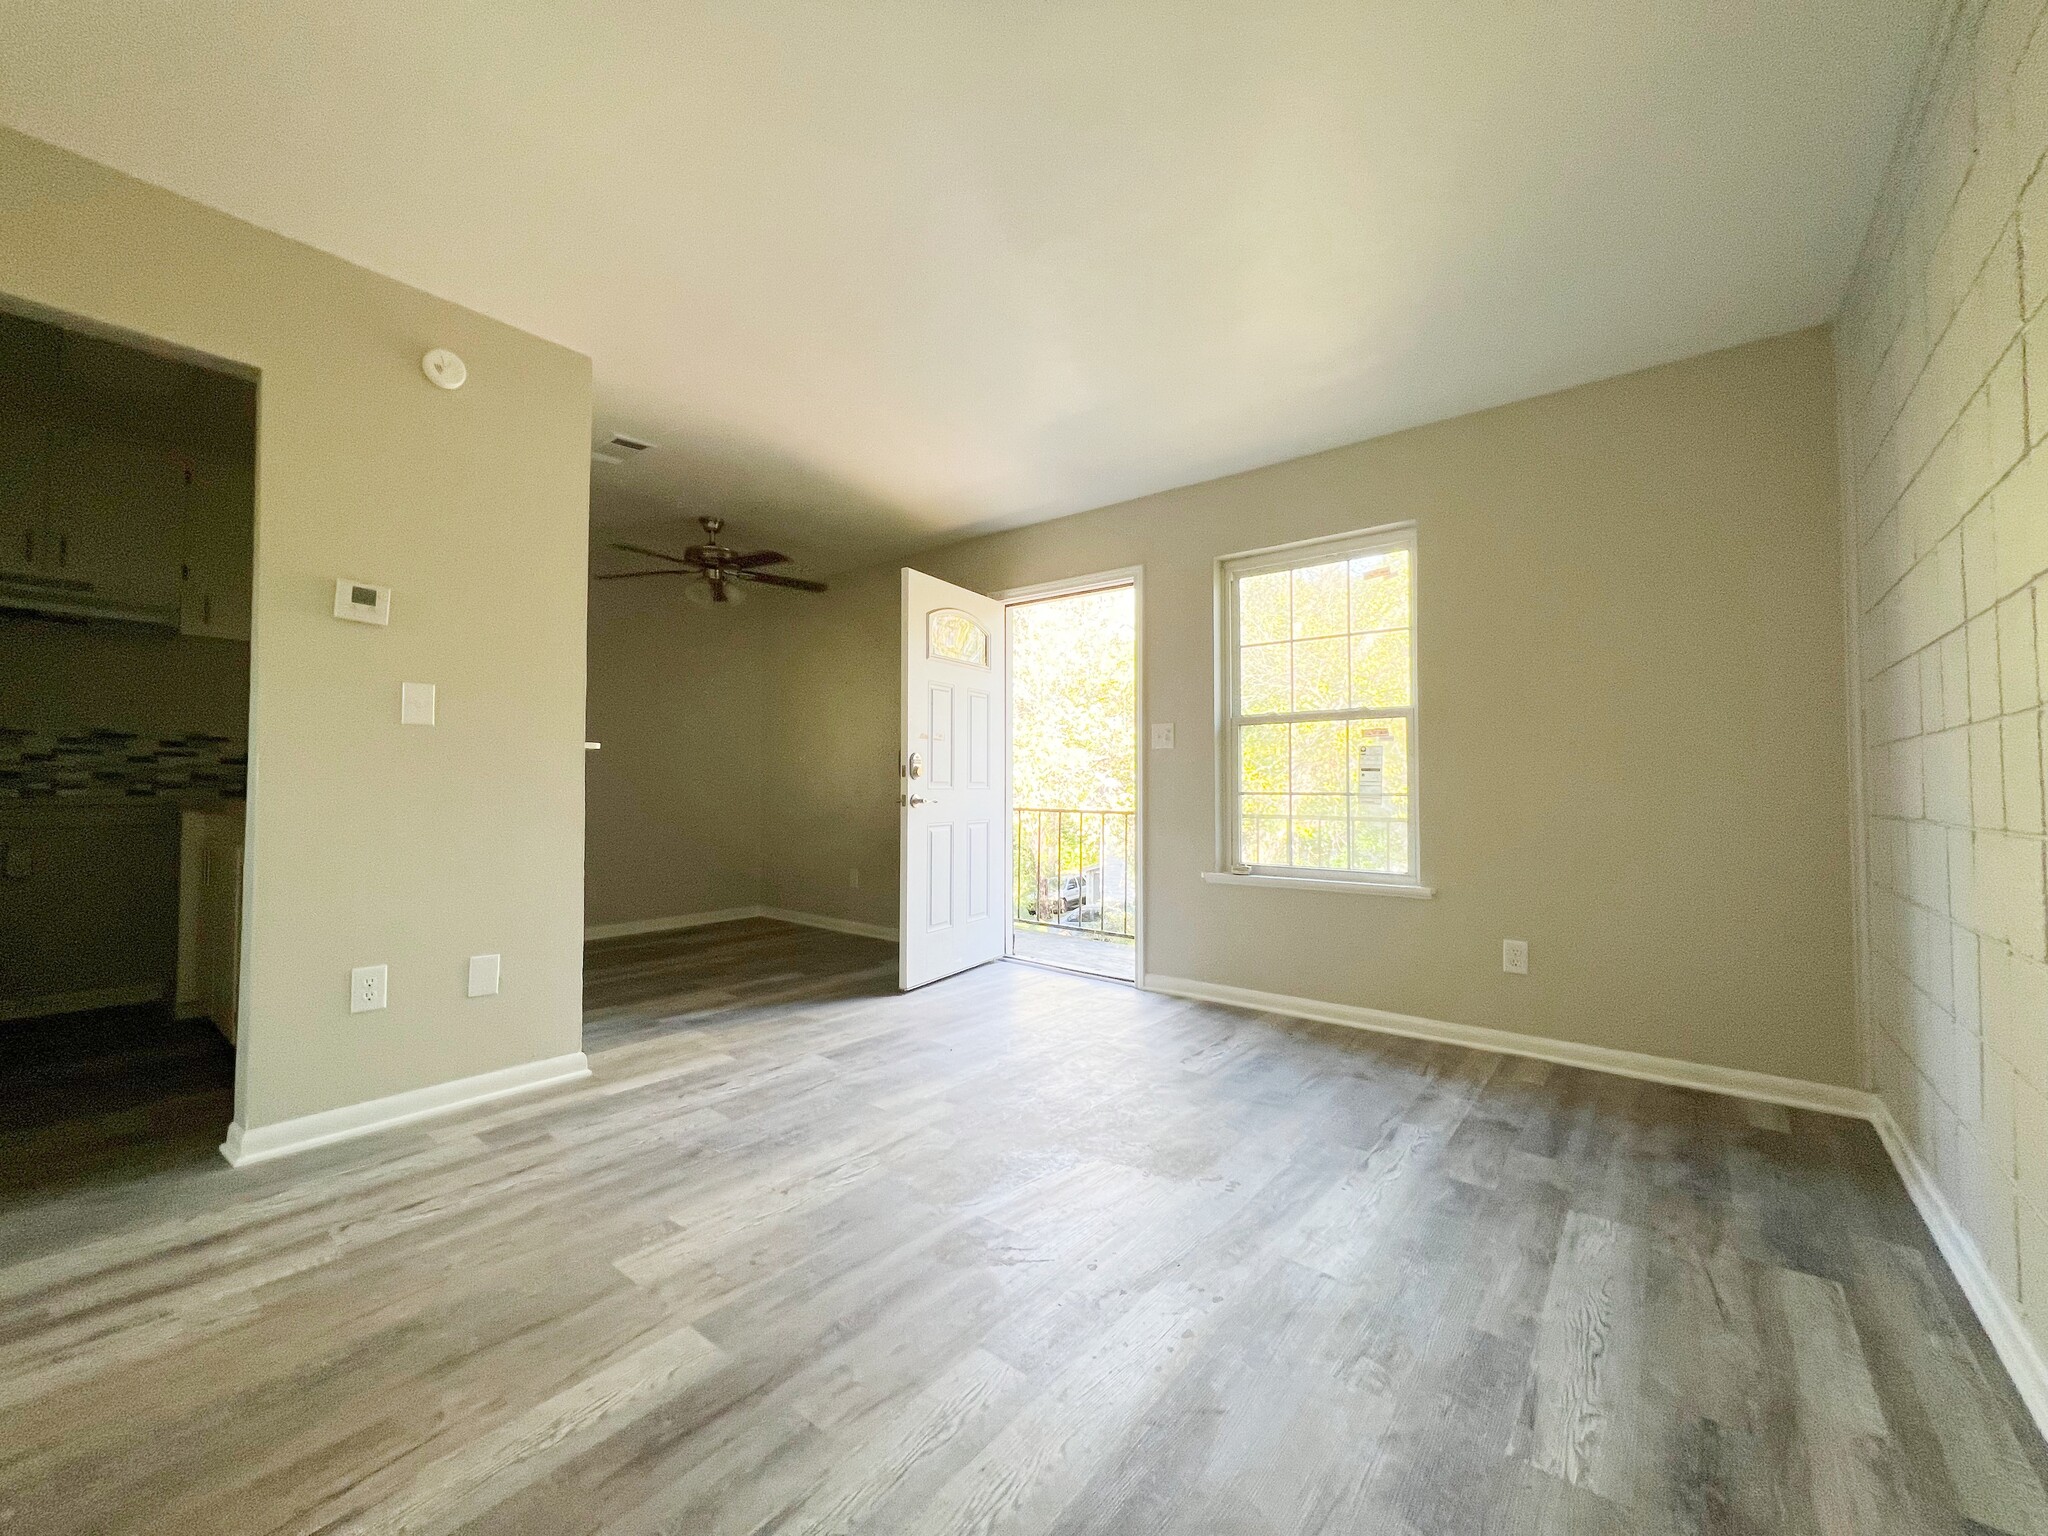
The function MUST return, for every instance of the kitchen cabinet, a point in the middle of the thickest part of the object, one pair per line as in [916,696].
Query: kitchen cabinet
[219,531]
[116,515]
[210,916]
[88,905]
[98,522]
[24,459]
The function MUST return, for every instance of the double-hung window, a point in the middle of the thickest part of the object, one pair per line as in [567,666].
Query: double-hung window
[1318,750]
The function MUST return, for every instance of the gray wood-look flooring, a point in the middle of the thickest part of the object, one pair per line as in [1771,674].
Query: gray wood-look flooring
[1021,1252]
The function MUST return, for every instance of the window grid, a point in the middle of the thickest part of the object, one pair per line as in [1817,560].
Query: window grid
[1336,736]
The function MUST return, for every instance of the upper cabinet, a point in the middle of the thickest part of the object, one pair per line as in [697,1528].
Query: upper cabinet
[127,482]
[101,522]
[219,537]
[117,512]
[24,454]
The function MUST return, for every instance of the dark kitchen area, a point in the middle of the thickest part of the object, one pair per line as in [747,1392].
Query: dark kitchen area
[127,515]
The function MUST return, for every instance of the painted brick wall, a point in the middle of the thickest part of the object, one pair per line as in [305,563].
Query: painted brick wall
[1944,405]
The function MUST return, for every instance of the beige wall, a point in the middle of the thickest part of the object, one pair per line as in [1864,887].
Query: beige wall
[1632,740]
[1944,390]
[676,699]
[830,764]
[368,841]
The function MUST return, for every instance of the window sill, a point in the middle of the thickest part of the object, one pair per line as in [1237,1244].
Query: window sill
[1308,883]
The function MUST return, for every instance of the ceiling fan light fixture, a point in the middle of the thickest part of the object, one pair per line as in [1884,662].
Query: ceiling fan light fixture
[703,593]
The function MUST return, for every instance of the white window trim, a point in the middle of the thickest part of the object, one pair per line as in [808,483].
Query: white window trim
[1335,881]
[1229,871]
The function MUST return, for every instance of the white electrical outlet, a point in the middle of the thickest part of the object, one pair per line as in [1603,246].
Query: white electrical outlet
[1514,956]
[853,878]
[483,975]
[1162,738]
[366,988]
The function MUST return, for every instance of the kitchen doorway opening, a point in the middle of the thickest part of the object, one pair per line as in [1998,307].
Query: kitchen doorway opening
[1075,792]
[127,530]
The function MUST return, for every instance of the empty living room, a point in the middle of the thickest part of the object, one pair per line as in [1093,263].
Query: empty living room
[799,768]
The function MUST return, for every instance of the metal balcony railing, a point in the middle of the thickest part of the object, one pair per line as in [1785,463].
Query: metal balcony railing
[1075,870]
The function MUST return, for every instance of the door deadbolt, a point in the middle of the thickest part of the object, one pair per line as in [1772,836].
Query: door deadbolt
[916,768]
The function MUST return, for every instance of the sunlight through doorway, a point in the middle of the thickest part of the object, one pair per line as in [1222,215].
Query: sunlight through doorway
[1074,780]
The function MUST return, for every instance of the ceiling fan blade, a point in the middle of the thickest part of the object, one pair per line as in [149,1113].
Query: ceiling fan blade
[637,549]
[628,575]
[794,583]
[759,557]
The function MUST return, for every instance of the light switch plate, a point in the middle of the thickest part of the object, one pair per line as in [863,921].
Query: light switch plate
[415,703]
[483,975]
[362,602]
[1162,737]
[368,987]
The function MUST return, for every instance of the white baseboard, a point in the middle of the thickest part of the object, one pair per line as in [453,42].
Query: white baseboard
[2009,1336]
[80,1002]
[834,924]
[1794,1092]
[666,924]
[733,915]
[263,1142]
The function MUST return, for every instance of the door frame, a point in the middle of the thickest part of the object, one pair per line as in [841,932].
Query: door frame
[1132,576]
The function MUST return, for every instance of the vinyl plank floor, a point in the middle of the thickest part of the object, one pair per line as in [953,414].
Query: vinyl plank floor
[1021,1252]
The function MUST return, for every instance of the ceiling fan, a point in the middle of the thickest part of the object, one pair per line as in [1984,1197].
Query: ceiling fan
[722,569]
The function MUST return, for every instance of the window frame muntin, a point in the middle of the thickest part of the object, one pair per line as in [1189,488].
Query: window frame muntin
[1230,719]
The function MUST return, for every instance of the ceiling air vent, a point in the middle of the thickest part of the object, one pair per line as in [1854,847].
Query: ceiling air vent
[630,444]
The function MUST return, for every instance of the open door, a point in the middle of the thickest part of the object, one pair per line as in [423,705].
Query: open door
[955,716]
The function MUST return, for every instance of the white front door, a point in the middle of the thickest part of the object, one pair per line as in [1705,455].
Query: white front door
[955,716]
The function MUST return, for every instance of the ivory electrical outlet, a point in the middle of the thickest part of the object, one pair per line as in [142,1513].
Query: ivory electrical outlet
[367,985]
[1514,956]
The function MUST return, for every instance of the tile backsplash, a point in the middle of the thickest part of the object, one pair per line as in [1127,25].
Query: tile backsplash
[86,765]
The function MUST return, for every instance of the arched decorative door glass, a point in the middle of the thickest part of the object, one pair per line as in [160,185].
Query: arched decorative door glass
[951,635]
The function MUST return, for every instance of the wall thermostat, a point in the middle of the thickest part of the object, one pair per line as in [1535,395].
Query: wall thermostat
[444,368]
[362,602]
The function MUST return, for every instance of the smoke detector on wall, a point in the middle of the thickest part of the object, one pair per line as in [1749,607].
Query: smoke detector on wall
[444,368]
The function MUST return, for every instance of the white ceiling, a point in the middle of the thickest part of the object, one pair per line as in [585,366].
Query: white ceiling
[872,272]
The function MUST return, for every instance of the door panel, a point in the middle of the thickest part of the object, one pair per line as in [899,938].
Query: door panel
[953,852]
[977,869]
[940,736]
[939,860]
[978,743]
